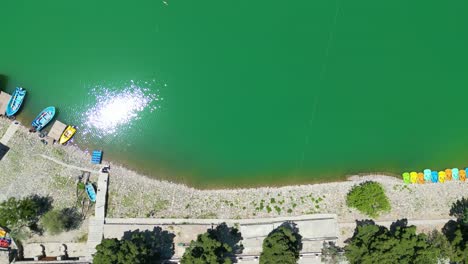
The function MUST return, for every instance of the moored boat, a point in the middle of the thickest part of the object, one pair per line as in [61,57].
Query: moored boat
[434,176]
[16,100]
[91,192]
[442,176]
[43,118]
[427,175]
[448,174]
[463,174]
[67,134]
[413,177]
[420,177]
[456,173]
[406,177]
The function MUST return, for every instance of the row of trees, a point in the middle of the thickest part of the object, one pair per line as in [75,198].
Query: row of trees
[35,213]
[370,243]
[216,246]
[400,243]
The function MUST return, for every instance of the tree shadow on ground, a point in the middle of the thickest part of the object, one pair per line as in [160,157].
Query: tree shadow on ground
[44,203]
[364,222]
[398,223]
[230,236]
[160,242]
[72,218]
[449,229]
[295,229]
[459,210]
[361,223]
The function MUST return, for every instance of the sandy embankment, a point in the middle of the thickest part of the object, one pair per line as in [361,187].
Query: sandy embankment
[23,172]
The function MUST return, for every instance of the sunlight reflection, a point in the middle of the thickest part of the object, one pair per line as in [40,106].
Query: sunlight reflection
[117,108]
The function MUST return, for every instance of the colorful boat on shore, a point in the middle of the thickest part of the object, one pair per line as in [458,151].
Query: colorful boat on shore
[456,173]
[442,176]
[16,100]
[67,134]
[448,175]
[428,176]
[43,118]
[91,192]
[406,177]
[434,176]
[413,177]
[462,174]
[420,178]
[5,239]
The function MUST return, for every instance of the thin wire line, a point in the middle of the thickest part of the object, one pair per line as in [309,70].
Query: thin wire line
[322,73]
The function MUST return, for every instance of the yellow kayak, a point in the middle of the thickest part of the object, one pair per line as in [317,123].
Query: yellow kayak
[67,134]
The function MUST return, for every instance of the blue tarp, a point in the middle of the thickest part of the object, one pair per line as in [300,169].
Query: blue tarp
[96,158]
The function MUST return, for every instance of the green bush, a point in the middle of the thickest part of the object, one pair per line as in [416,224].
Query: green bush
[81,186]
[369,198]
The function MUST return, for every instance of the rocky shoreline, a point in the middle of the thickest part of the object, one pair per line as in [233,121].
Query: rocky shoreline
[24,172]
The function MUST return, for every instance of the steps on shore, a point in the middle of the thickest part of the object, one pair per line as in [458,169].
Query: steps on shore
[95,234]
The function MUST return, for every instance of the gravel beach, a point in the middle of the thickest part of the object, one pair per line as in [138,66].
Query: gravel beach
[23,171]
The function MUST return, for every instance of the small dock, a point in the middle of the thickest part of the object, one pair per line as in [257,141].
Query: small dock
[56,131]
[96,223]
[4,99]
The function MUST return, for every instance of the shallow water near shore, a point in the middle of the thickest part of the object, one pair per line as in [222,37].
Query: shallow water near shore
[248,93]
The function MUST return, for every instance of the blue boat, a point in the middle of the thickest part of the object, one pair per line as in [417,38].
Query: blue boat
[43,118]
[434,176]
[91,192]
[16,100]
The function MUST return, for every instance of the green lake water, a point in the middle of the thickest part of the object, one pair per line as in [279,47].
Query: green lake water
[235,93]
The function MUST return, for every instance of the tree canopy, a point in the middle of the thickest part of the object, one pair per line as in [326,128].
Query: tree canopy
[460,210]
[14,212]
[136,247]
[217,245]
[457,235]
[282,245]
[372,243]
[369,198]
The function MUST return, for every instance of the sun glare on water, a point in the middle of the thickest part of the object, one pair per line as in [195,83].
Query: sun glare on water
[115,109]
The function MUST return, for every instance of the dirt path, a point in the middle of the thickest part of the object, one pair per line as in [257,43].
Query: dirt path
[416,222]
[66,165]
[10,132]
